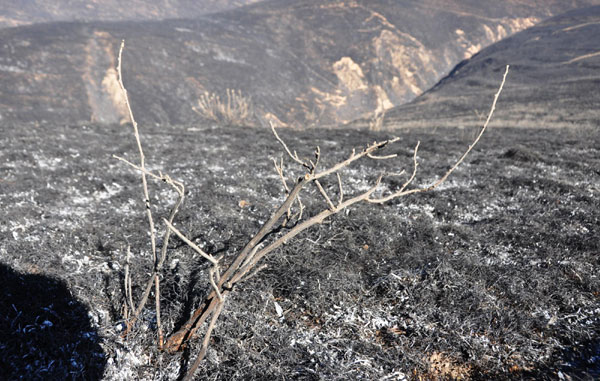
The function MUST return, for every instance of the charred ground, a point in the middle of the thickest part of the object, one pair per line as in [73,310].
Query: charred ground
[495,275]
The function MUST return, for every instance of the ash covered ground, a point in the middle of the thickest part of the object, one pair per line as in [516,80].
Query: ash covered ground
[495,275]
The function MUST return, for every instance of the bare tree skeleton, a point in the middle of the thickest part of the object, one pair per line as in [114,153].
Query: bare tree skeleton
[246,263]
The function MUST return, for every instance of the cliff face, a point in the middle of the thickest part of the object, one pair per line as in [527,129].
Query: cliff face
[303,62]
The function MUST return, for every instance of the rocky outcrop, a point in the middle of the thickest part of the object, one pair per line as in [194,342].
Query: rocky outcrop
[302,62]
[106,100]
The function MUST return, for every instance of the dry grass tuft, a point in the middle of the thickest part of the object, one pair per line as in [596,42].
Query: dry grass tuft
[235,109]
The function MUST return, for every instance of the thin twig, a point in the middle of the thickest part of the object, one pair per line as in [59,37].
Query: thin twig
[253,273]
[249,257]
[213,322]
[191,244]
[353,157]
[177,185]
[374,157]
[442,179]
[341,189]
[157,307]
[324,194]
[279,170]
[211,277]
[128,293]
[298,215]
[144,186]
[487,121]
[294,157]
[140,306]
[141,153]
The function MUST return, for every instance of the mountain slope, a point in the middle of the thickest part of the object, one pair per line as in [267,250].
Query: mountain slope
[16,13]
[303,62]
[554,80]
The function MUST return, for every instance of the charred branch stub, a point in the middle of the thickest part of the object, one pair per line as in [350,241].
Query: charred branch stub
[287,222]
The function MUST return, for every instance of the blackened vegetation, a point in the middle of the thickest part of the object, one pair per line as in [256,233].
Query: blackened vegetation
[493,275]
[45,333]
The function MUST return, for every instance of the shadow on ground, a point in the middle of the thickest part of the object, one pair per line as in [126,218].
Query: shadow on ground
[45,333]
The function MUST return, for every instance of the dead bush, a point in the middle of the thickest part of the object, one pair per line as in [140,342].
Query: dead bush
[234,109]
[285,224]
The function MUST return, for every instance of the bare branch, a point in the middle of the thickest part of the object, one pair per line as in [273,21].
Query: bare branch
[191,244]
[141,153]
[279,169]
[353,157]
[212,272]
[253,273]
[213,322]
[294,157]
[161,337]
[266,228]
[180,190]
[327,199]
[370,156]
[317,219]
[487,121]
[407,183]
[441,180]
[128,293]
[188,330]
[341,189]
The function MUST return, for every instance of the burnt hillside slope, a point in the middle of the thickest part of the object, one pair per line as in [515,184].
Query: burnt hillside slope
[303,62]
[554,80]
[19,13]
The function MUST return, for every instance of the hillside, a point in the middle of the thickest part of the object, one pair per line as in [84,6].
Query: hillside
[305,62]
[18,13]
[554,80]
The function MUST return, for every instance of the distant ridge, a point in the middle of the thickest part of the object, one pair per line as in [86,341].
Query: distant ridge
[303,62]
[21,12]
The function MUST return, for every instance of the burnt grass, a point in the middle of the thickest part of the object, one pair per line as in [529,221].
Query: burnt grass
[492,276]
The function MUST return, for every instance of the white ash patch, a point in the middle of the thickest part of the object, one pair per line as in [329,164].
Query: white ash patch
[47,163]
